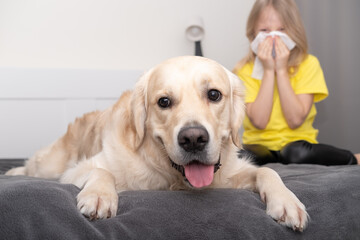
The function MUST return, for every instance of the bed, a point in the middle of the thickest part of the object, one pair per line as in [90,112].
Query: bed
[33,208]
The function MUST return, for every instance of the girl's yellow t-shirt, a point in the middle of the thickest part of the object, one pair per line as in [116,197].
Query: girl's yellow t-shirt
[309,79]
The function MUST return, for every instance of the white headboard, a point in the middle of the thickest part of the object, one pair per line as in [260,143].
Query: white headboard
[36,105]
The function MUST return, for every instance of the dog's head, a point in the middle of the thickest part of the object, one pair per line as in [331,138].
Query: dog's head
[193,107]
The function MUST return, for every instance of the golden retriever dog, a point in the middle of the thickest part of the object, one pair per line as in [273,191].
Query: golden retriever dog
[178,129]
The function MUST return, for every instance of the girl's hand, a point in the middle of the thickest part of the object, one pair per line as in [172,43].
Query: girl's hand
[265,54]
[282,55]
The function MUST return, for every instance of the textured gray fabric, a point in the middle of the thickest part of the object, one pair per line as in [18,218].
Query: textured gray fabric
[43,209]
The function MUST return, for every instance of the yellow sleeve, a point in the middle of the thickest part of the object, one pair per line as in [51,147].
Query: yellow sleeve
[310,79]
[252,85]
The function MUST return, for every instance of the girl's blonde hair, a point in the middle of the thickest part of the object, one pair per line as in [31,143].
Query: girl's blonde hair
[294,28]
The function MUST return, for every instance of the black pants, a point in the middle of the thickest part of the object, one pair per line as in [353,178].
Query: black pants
[300,152]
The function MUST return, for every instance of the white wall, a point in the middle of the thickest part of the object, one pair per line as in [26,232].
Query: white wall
[61,58]
[117,34]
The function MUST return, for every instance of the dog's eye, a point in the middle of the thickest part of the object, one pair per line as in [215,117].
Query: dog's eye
[214,95]
[164,102]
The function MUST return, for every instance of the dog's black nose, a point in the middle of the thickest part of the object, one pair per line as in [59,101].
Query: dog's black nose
[193,139]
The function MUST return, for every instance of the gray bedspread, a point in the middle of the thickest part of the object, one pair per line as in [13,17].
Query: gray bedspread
[33,208]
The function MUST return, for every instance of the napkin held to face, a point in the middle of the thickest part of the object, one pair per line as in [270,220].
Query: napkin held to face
[258,71]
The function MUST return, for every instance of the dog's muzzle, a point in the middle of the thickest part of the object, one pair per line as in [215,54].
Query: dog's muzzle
[194,140]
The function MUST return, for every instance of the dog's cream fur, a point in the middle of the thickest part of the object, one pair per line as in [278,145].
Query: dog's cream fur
[130,146]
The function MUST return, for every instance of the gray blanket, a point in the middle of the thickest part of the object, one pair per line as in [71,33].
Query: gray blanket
[33,208]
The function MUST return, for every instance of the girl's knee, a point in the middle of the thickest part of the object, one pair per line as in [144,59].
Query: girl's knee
[296,152]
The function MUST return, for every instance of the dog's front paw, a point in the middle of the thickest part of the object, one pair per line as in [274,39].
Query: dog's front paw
[97,204]
[287,209]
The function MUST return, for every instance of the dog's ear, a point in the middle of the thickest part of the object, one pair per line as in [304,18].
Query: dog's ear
[237,111]
[139,108]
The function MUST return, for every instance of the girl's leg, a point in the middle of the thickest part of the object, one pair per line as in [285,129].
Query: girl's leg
[305,152]
[259,154]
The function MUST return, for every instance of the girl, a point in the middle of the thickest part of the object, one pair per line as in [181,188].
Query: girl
[280,99]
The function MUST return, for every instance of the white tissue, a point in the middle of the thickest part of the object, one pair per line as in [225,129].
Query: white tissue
[258,71]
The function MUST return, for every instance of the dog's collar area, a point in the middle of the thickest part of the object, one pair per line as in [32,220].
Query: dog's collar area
[217,166]
[178,167]
[181,169]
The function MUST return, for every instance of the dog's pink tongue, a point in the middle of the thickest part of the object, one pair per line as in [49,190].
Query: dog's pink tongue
[199,175]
